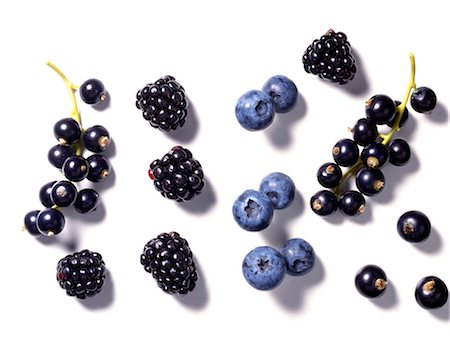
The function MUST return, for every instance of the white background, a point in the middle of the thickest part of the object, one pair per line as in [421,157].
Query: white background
[217,51]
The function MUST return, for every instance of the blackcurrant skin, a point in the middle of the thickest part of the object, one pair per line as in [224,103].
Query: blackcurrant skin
[431,293]
[365,132]
[99,168]
[345,152]
[329,175]
[58,154]
[324,203]
[352,203]
[75,168]
[399,152]
[96,139]
[50,222]
[404,118]
[67,131]
[423,100]
[87,201]
[45,194]
[380,109]
[63,193]
[371,281]
[30,224]
[92,92]
[369,181]
[375,155]
[414,226]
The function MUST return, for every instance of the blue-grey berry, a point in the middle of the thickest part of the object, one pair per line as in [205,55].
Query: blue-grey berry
[299,256]
[283,92]
[279,188]
[264,268]
[253,210]
[254,110]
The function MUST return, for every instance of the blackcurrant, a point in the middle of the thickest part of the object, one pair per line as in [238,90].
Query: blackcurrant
[399,152]
[67,131]
[365,132]
[87,201]
[352,203]
[371,281]
[29,223]
[345,152]
[380,109]
[50,221]
[329,175]
[423,100]
[96,139]
[369,181]
[374,155]
[99,168]
[414,226]
[431,292]
[92,92]
[75,168]
[45,194]
[324,203]
[63,193]
[58,154]
[404,118]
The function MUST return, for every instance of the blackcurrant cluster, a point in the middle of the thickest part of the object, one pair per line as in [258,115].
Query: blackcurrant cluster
[163,104]
[368,151]
[67,156]
[331,58]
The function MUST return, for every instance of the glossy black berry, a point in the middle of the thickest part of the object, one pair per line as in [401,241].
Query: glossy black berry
[404,118]
[414,226]
[330,57]
[50,221]
[345,152]
[29,223]
[169,259]
[399,152]
[431,293]
[369,181]
[81,274]
[324,203]
[380,109]
[99,168]
[329,175]
[375,155]
[87,200]
[63,193]
[75,168]
[45,194]
[365,132]
[352,203]
[92,92]
[58,154]
[67,131]
[96,139]
[163,104]
[177,175]
[371,281]
[423,100]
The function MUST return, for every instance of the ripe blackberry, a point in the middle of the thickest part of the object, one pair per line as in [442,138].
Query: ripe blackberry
[81,274]
[169,259]
[331,58]
[163,103]
[177,175]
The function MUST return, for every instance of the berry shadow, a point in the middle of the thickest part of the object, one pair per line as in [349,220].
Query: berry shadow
[203,202]
[107,183]
[199,297]
[276,233]
[389,299]
[442,313]
[365,217]
[103,105]
[111,150]
[439,114]
[279,132]
[94,217]
[291,292]
[101,300]
[68,239]
[433,244]
[190,128]
[359,86]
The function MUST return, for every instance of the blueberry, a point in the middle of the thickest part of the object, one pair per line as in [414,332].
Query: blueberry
[423,100]
[299,256]
[414,226]
[254,110]
[253,210]
[279,188]
[264,268]
[283,92]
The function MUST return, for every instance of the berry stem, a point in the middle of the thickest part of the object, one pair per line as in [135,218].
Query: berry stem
[74,113]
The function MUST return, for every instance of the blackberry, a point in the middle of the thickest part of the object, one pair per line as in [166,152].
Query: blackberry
[177,175]
[163,104]
[331,58]
[169,259]
[81,274]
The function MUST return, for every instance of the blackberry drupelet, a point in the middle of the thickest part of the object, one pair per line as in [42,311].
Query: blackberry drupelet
[331,58]
[169,259]
[81,274]
[163,104]
[177,175]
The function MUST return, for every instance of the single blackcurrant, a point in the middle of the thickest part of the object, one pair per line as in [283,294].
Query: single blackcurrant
[63,193]
[423,100]
[380,109]
[329,175]
[58,154]
[345,152]
[50,221]
[324,203]
[87,200]
[352,203]
[92,92]
[374,155]
[29,223]
[370,181]
[371,281]
[67,131]
[365,132]
[96,139]
[414,226]
[399,152]
[431,292]
[45,194]
[99,168]
[75,168]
